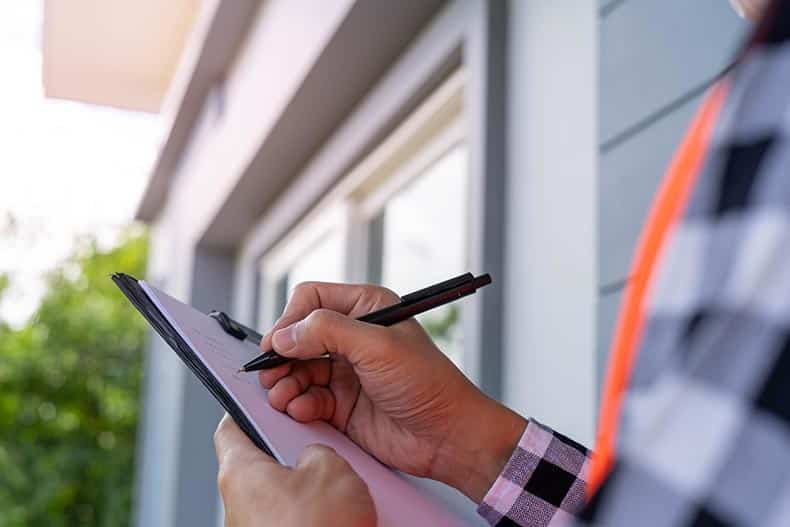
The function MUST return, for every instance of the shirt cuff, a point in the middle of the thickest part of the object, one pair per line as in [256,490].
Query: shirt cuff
[543,483]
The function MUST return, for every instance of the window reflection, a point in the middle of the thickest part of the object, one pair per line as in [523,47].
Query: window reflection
[420,238]
[322,262]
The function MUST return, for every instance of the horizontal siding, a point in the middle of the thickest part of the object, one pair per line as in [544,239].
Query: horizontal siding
[654,51]
[605,7]
[656,57]
[630,175]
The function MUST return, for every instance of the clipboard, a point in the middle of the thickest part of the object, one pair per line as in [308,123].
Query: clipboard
[130,287]
[208,351]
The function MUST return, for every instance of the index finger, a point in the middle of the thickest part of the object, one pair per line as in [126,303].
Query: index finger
[353,300]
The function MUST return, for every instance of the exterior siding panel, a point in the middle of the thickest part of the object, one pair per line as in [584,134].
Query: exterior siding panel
[656,59]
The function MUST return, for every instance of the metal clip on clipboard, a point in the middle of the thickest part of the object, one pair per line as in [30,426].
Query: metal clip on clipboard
[235,329]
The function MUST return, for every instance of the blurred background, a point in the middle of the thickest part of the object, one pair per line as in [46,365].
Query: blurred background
[228,149]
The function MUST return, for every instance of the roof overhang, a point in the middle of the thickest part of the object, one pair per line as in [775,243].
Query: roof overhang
[219,30]
[120,54]
[218,34]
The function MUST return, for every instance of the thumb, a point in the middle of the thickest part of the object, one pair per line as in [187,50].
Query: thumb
[318,455]
[233,446]
[327,331]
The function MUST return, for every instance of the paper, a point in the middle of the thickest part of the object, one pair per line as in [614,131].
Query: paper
[398,501]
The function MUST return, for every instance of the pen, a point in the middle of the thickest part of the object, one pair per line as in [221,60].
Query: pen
[409,306]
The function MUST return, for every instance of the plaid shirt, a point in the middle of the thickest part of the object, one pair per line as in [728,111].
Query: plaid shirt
[704,437]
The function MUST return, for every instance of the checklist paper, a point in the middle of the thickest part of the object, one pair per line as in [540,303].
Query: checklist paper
[215,357]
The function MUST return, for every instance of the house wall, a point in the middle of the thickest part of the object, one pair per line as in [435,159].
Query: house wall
[176,467]
[551,214]
[559,191]
[656,60]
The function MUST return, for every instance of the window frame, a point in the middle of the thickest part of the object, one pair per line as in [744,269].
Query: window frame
[424,136]
[430,132]
[468,35]
[275,264]
[352,204]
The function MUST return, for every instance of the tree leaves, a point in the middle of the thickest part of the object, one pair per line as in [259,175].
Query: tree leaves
[70,396]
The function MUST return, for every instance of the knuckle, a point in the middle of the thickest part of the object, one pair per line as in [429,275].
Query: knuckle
[388,295]
[219,432]
[318,455]
[319,319]
[380,295]
[303,288]
[320,452]
[333,461]
[265,379]
[226,478]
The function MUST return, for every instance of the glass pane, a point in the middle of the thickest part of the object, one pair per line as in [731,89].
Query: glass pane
[424,240]
[280,296]
[322,262]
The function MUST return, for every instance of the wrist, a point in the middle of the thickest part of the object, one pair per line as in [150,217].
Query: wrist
[480,447]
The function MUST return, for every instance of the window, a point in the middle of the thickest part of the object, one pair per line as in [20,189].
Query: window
[314,251]
[320,262]
[419,238]
[399,219]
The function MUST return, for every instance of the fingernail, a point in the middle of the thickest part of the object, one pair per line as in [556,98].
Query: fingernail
[283,339]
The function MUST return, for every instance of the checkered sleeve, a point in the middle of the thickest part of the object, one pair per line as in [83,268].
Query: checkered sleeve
[542,484]
[704,438]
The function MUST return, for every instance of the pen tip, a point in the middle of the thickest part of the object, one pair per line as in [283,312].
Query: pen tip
[240,370]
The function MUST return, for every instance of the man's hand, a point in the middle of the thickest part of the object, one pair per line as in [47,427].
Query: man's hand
[389,389]
[321,490]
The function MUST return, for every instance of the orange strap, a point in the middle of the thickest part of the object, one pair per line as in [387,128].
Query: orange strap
[665,212]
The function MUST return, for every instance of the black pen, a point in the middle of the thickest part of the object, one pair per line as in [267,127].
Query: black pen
[409,306]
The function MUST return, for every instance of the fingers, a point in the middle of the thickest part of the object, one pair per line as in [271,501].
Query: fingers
[302,391]
[240,463]
[316,371]
[301,377]
[352,300]
[315,404]
[269,378]
[321,457]
[305,376]
[326,331]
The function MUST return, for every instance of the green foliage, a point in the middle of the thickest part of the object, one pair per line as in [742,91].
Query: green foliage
[70,383]
[444,327]
[442,324]
[3,284]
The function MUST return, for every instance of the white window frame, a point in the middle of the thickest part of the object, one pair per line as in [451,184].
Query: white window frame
[433,129]
[276,262]
[472,36]
[428,133]
[420,141]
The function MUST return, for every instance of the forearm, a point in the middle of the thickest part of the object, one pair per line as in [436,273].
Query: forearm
[479,448]
[516,469]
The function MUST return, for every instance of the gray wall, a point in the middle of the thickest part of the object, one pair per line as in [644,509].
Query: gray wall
[550,259]
[176,466]
[657,57]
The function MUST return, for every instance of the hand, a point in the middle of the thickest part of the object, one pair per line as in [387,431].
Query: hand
[321,490]
[389,389]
